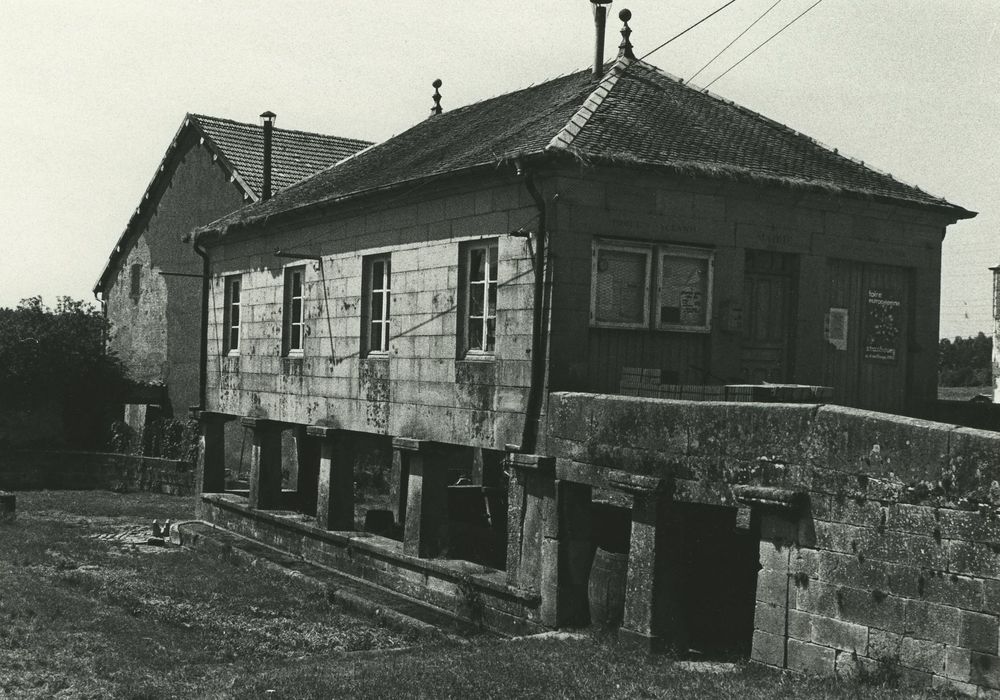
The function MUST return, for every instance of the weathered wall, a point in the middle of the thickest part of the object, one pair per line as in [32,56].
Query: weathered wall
[157,332]
[28,470]
[423,388]
[822,231]
[894,562]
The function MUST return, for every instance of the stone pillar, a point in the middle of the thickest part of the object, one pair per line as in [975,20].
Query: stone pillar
[566,557]
[210,467]
[335,486]
[653,614]
[265,463]
[307,453]
[425,531]
[532,529]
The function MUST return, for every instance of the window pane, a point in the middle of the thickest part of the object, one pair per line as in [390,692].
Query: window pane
[376,337]
[296,284]
[296,310]
[684,290]
[296,337]
[475,334]
[491,332]
[234,338]
[388,302]
[234,316]
[492,309]
[476,300]
[620,286]
[477,264]
[235,294]
[378,274]
[376,306]
[493,263]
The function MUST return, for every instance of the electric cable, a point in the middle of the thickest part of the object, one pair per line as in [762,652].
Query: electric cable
[677,36]
[762,44]
[738,37]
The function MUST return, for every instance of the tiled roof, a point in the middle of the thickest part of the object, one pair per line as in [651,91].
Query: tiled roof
[294,154]
[240,146]
[636,115]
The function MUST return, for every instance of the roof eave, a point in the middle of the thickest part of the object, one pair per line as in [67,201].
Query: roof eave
[209,232]
[190,121]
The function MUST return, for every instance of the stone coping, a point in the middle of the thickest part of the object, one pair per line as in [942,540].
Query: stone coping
[456,570]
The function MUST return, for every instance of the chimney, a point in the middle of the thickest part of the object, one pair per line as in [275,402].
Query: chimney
[600,21]
[268,120]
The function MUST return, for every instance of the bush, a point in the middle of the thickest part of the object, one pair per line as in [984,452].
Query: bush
[55,367]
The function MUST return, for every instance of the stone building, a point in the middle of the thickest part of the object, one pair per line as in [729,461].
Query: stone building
[151,286]
[463,301]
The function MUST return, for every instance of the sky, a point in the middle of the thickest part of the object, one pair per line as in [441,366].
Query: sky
[92,94]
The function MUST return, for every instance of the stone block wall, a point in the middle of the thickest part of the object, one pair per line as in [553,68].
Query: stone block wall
[423,387]
[893,564]
[29,470]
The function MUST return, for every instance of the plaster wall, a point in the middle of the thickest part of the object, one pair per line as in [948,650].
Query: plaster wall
[156,332]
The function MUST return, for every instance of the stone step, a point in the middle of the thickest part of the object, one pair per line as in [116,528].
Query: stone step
[392,609]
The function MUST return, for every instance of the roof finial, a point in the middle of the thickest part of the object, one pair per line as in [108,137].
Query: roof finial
[436,109]
[625,48]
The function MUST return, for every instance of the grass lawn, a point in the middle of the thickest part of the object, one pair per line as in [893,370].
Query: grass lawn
[87,611]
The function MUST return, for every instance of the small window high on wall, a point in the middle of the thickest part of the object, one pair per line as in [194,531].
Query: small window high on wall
[293,327]
[375,313]
[233,293]
[624,294]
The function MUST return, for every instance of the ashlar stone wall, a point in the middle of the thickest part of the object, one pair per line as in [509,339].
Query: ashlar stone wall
[891,562]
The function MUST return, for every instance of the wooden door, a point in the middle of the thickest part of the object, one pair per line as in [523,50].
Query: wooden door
[867,361]
[770,287]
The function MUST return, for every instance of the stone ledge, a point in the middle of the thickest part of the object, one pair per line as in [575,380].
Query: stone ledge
[792,500]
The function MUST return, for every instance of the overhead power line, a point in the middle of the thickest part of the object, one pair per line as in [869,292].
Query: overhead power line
[764,43]
[738,37]
[677,36]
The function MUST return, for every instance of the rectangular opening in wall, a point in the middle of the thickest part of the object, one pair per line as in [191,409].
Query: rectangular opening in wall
[477,312]
[717,587]
[376,298]
[293,328]
[233,306]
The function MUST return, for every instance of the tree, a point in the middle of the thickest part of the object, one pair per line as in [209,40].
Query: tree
[965,361]
[54,365]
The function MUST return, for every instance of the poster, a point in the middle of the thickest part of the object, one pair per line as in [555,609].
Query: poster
[882,326]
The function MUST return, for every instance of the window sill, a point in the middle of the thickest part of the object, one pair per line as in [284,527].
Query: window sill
[478,357]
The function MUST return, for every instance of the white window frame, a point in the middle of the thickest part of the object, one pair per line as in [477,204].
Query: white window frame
[289,324]
[643,249]
[370,290]
[680,251]
[230,305]
[492,249]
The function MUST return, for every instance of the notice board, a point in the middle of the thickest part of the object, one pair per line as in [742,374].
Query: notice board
[882,325]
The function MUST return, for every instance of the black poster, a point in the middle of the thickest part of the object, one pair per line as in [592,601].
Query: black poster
[882,326]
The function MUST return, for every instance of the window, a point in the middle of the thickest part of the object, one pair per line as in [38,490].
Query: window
[478,272]
[231,341]
[135,282]
[375,310]
[685,290]
[293,329]
[622,289]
